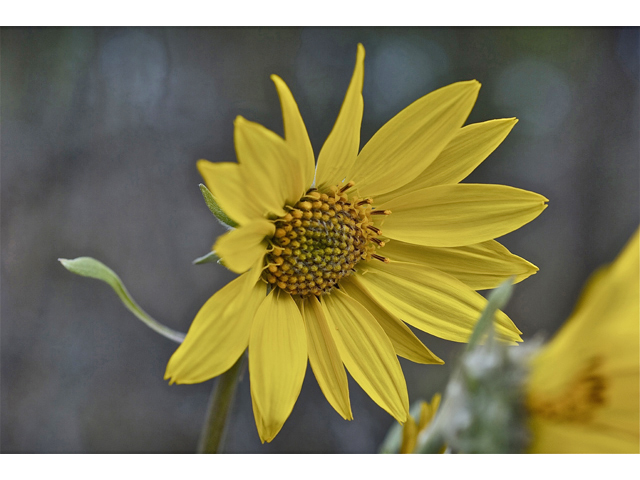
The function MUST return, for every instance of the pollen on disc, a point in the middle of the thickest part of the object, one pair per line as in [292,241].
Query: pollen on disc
[319,242]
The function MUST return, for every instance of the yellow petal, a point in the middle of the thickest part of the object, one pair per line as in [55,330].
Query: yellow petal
[340,150]
[226,183]
[241,248]
[277,360]
[405,343]
[273,177]
[257,416]
[428,411]
[481,266]
[582,438]
[430,300]
[255,271]
[597,348]
[295,133]
[218,335]
[410,141]
[325,359]
[461,214]
[409,436]
[367,353]
[468,149]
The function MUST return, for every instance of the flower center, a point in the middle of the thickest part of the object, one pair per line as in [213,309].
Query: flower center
[580,399]
[320,240]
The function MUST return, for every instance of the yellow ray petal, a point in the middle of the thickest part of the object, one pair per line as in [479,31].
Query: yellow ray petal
[430,300]
[272,175]
[405,343]
[295,133]
[410,141]
[227,185]
[428,411]
[277,360]
[241,248]
[584,386]
[460,214]
[255,271]
[325,359]
[257,416]
[562,438]
[218,335]
[481,266]
[468,149]
[409,436]
[367,353]
[340,150]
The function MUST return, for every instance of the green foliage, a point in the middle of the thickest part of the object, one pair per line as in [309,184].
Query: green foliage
[92,268]
[215,208]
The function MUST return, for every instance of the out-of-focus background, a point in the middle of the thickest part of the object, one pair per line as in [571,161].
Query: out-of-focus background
[101,129]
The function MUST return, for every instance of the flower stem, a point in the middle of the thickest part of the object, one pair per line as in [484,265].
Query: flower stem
[213,430]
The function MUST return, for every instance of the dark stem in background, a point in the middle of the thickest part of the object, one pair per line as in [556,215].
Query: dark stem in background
[214,428]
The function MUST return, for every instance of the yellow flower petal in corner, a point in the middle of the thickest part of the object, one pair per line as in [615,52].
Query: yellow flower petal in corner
[468,149]
[340,150]
[481,266]
[431,300]
[405,343]
[460,214]
[272,175]
[324,358]
[240,248]
[295,133]
[218,335]
[583,393]
[410,141]
[277,360]
[367,353]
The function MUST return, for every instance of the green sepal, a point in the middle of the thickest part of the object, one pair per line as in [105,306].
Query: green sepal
[208,258]
[215,208]
[92,268]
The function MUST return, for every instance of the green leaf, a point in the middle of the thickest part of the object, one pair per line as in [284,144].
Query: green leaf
[92,268]
[215,208]
[208,258]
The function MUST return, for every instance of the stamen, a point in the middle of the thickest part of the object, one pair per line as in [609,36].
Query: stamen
[346,187]
[320,240]
[380,257]
[380,212]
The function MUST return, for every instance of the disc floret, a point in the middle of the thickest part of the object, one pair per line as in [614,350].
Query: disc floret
[320,240]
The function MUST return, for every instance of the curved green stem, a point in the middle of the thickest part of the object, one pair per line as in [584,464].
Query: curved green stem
[213,430]
[92,268]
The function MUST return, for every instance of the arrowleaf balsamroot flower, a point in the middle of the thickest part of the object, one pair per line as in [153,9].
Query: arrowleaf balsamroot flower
[583,390]
[335,258]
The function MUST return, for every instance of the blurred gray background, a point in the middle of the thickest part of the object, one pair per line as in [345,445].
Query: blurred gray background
[101,129]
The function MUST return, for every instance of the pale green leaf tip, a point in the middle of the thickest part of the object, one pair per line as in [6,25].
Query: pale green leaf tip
[207,258]
[214,208]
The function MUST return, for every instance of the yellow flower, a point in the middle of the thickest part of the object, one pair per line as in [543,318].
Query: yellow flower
[411,429]
[582,393]
[334,259]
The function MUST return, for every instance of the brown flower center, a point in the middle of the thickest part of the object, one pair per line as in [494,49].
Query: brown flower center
[320,240]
